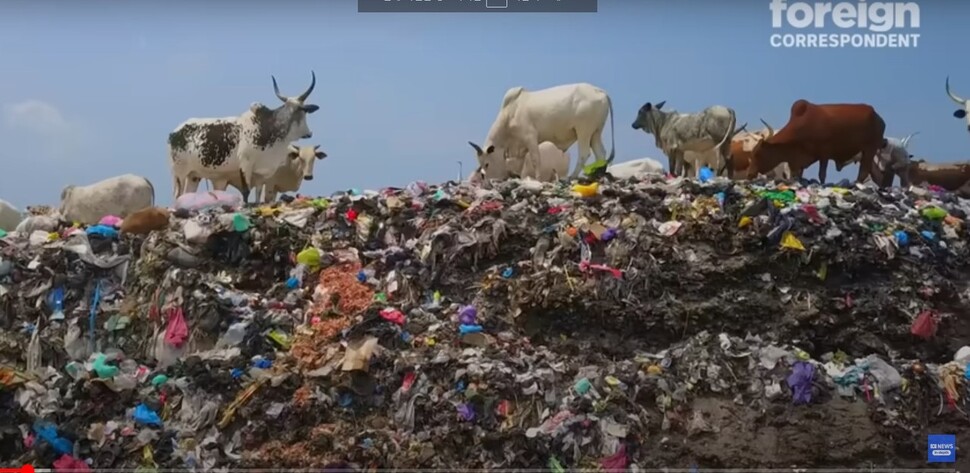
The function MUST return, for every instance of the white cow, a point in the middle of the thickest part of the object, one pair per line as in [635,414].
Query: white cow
[553,165]
[635,168]
[252,145]
[563,115]
[10,217]
[297,168]
[120,196]
[964,111]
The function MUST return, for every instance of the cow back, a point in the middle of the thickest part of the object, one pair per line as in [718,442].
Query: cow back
[838,131]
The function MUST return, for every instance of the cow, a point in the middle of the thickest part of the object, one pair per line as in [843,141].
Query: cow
[953,177]
[818,133]
[959,113]
[563,115]
[146,221]
[252,145]
[297,167]
[10,217]
[635,168]
[119,196]
[553,165]
[741,148]
[675,133]
[891,160]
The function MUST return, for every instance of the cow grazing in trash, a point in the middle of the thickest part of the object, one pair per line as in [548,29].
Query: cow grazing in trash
[964,111]
[676,133]
[954,177]
[742,146]
[563,115]
[297,168]
[553,165]
[120,196]
[252,145]
[817,132]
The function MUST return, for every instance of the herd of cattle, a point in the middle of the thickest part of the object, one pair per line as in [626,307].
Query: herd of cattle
[533,130]
[529,139]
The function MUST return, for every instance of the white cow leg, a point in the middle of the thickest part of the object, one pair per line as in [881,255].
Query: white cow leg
[597,143]
[269,194]
[582,155]
[191,184]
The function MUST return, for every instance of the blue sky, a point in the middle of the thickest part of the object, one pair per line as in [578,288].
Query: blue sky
[91,89]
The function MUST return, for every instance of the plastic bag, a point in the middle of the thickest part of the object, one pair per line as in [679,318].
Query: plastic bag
[204,200]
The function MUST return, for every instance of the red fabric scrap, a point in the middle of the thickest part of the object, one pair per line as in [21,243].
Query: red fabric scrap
[352,215]
[616,462]
[408,381]
[177,331]
[585,266]
[393,315]
[925,325]
[68,463]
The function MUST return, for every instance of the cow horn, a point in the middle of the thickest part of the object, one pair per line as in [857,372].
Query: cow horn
[313,83]
[956,98]
[771,131]
[739,130]
[905,141]
[276,89]
[477,148]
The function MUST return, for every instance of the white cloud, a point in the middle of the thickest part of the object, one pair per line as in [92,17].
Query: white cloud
[42,121]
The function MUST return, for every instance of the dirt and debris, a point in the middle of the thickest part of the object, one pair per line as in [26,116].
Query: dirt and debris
[616,325]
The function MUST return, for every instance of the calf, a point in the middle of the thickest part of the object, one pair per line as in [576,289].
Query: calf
[297,167]
[676,133]
[563,115]
[553,165]
[819,133]
[145,221]
[742,146]
[964,110]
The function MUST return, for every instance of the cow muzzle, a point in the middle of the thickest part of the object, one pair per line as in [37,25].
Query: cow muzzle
[307,178]
[636,126]
[308,136]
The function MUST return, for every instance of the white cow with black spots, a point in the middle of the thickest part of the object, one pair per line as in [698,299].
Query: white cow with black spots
[252,146]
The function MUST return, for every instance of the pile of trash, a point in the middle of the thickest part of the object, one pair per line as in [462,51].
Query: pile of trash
[607,325]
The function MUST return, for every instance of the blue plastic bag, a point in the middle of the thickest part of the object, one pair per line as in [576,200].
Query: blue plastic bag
[144,415]
[706,174]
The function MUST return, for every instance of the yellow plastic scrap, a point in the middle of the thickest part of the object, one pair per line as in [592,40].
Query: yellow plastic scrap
[840,190]
[745,221]
[309,257]
[654,369]
[790,241]
[240,401]
[823,271]
[612,381]
[280,338]
[802,354]
[587,190]
[266,211]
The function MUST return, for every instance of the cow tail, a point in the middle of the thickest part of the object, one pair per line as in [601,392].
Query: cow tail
[609,160]
[727,136]
[150,186]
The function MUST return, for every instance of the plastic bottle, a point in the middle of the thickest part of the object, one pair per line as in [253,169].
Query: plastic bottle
[296,277]
[57,303]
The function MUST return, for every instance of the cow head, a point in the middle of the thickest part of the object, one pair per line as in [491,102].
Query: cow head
[647,117]
[296,109]
[303,158]
[491,161]
[764,154]
[964,111]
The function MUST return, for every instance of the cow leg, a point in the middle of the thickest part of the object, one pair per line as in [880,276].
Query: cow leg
[865,165]
[176,187]
[582,153]
[597,144]
[728,160]
[823,168]
[191,184]
[269,194]
[672,163]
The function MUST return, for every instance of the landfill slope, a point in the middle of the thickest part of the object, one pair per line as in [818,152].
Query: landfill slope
[645,323]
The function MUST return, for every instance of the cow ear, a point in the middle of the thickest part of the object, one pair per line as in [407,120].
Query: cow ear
[960,113]
[311,108]
[646,107]
[490,149]
[661,105]
[320,154]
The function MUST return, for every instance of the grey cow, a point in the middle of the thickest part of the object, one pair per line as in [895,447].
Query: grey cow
[677,133]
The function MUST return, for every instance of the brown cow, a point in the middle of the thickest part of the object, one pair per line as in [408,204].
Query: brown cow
[742,146]
[819,133]
[950,176]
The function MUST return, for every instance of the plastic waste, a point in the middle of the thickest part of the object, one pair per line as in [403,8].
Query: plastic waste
[56,303]
[800,382]
[705,174]
[925,325]
[145,416]
[296,276]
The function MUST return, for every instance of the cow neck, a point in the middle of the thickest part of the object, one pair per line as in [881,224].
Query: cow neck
[661,118]
[272,125]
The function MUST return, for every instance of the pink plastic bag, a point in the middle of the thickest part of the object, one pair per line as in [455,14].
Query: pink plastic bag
[177,331]
[925,325]
[110,220]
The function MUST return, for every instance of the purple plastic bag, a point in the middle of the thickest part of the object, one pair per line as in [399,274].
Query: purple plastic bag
[800,381]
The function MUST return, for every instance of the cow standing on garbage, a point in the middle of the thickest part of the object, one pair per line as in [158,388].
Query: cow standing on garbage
[119,196]
[675,133]
[954,177]
[563,115]
[252,146]
[742,146]
[820,132]
[553,165]
[297,168]
[963,112]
